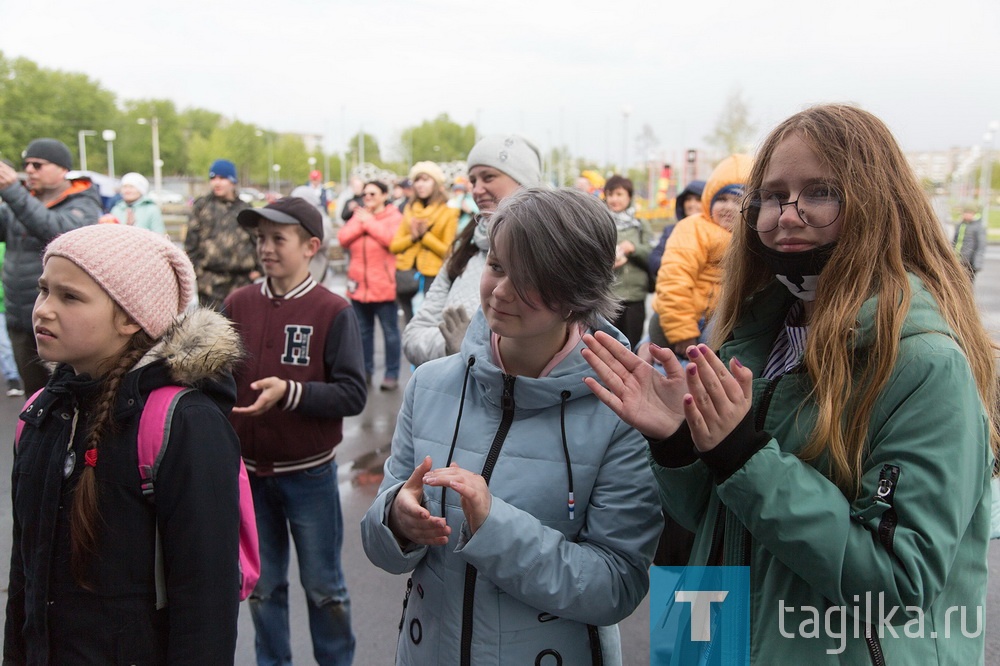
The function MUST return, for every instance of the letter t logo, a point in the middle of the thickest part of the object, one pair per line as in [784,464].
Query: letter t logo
[701,609]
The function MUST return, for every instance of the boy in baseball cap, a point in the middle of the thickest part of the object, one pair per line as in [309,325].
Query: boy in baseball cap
[304,374]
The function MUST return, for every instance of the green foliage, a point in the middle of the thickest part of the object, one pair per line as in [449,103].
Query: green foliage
[438,140]
[372,153]
[37,102]
[733,130]
[134,147]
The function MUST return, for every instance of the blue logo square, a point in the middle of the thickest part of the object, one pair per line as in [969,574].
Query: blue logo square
[699,615]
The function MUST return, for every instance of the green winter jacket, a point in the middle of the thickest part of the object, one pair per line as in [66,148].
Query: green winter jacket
[917,534]
[633,276]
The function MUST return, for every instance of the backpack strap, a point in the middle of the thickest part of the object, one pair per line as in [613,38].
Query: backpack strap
[19,428]
[154,434]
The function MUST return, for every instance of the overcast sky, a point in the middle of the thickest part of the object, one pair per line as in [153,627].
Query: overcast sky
[558,72]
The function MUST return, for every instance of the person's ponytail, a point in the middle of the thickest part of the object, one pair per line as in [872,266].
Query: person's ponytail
[85,515]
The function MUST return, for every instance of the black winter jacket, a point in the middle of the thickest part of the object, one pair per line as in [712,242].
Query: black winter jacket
[27,225]
[50,618]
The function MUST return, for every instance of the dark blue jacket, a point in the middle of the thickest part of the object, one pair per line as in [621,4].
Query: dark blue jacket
[695,187]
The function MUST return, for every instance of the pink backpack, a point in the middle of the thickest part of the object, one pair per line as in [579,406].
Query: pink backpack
[154,433]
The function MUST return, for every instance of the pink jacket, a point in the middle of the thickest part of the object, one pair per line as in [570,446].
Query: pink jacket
[371,272]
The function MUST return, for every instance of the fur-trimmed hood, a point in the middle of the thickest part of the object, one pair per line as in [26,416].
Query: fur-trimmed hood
[201,345]
[200,350]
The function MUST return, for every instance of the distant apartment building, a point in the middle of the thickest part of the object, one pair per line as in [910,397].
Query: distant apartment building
[955,166]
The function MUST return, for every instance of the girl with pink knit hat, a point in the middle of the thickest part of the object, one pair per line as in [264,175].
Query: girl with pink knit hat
[111,315]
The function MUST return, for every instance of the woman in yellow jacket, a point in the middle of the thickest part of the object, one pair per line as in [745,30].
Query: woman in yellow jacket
[687,284]
[424,236]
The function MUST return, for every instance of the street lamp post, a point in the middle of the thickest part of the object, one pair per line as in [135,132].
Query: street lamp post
[626,111]
[110,136]
[270,160]
[989,144]
[277,177]
[83,146]
[361,146]
[154,122]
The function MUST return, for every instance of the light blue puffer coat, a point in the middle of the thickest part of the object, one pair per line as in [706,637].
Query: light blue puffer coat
[531,579]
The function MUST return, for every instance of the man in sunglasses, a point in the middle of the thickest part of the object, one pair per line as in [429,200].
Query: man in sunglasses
[29,218]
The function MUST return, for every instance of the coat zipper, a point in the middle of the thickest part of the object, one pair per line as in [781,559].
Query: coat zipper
[469,600]
[887,480]
[875,648]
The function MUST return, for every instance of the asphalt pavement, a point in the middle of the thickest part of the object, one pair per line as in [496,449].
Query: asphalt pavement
[376,596]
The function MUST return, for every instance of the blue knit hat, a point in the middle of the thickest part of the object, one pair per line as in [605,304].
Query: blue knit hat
[223,169]
[735,188]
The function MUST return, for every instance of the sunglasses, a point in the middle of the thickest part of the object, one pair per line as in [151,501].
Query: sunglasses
[371,194]
[37,166]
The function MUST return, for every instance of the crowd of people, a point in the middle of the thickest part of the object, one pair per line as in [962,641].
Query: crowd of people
[778,407]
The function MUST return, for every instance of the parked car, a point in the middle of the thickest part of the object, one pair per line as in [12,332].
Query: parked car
[164,197]
[251,195]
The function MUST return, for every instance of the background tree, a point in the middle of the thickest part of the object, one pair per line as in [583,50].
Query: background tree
[733,130]
[372,154]
[290,153]
[437,140]
[134,147]
[37,102]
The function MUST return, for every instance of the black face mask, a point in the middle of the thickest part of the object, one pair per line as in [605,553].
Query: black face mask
[799,271]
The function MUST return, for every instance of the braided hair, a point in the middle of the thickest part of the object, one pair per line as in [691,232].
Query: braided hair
[85,515]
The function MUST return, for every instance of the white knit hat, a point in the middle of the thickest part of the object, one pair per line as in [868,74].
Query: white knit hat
[429,168]
[143,272]
[138,181]
[510,153]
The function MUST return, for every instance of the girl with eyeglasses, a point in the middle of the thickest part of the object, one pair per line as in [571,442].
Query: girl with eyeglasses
[840,443]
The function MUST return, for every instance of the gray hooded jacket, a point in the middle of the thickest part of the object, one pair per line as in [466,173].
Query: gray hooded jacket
[532,581]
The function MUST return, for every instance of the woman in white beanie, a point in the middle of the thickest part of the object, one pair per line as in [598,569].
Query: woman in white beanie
[135,208]
[82,586]
[499,165]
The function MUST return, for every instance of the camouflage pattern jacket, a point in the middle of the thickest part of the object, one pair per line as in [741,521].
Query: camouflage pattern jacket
[223,253]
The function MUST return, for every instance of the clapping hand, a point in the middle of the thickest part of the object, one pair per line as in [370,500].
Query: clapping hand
[409,519]
[648,401]
[453,327]
[418,227]
[475,494]
[718,398]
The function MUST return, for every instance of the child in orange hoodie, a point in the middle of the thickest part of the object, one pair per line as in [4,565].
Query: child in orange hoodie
[687,284]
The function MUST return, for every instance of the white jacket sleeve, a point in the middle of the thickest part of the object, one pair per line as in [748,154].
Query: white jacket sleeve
[422,340]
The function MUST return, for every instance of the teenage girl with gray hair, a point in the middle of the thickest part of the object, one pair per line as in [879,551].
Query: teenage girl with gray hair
[503,445]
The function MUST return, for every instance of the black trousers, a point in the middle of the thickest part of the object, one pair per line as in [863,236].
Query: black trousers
[631,321]
[33,373]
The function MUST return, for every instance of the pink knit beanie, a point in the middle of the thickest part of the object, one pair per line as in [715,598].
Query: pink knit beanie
[143,272]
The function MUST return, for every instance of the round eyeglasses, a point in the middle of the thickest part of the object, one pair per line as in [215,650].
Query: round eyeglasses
[818,206]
